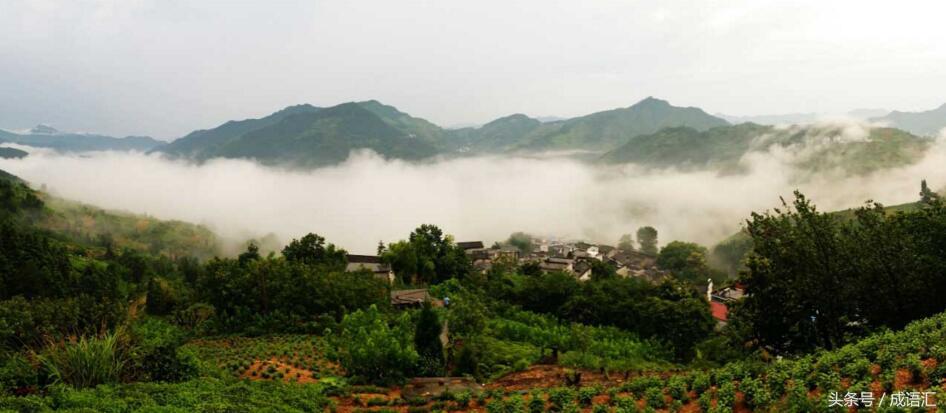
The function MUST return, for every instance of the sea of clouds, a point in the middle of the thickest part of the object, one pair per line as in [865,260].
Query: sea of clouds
[368,199]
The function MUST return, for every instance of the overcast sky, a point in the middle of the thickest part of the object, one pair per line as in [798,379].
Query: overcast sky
[166,67]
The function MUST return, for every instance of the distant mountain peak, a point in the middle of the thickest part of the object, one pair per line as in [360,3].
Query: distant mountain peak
[43,129]
[292,109]
[651,101]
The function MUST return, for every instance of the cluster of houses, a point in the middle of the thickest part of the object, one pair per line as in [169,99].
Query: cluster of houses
[720,299]
[573,258]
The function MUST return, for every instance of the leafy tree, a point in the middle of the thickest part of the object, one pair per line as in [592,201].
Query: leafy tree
[161,296]
[601,270]
[427,257]
[374,350]
[402,258]
[251,254]
[626,243]
[799,279]
[687,262]
[729,254]
[927,196]
[312,250]
[427,342]
[467,315]
[522,242]
[647,236]
[531,268]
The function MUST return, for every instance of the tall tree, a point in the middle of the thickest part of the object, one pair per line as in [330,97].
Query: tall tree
[427,342]
[799,279]
[927,196]
[626,243]
[313,250]
[647,236]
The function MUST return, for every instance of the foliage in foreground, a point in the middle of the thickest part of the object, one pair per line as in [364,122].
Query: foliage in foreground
[199,395]
[85,362]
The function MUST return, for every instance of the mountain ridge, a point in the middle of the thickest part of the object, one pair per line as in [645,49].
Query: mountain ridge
[927,123]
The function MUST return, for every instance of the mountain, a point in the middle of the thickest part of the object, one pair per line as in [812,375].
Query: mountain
[597,132]
[928,123]
[12,153]
[867,113]
[202,144]
[497,136]
[43,136]
[603,131]
[308,136]
[802,118]
[815,147]
[783,119]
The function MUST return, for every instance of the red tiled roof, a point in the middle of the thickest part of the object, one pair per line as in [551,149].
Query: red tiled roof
[719,310]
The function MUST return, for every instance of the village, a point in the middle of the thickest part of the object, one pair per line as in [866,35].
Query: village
[575,258]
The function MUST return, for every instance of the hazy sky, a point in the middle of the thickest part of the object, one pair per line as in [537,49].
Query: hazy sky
[166,67]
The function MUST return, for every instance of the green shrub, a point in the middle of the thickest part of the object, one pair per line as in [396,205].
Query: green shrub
[626,404]
[87,362]
[570,407]
[655,397]
[726,395]
[705,401]
[515,404]
[495,406]
[677,387]
[16,372]
[560,396]
[377,401]
[462,399]
[374,350]
[701,382]
[586,395]
[536,402]
[756,394]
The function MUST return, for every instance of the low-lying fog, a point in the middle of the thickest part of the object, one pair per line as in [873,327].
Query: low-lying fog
[368,199]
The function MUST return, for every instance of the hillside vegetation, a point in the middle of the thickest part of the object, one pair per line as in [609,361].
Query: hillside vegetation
[305,135]
[139,330]
[308,136]
[813,148]
[46,137]
[927,123]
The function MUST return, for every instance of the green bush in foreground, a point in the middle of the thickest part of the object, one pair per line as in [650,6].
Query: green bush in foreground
[87,362]
[202,395]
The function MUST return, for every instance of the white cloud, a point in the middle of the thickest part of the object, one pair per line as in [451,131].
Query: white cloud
[368,199]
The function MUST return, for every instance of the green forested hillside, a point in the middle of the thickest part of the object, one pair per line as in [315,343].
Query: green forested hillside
[497,136]
[12,153]
[603,131]
[928,123]
[87,329]
[597,132]
[817,147]
[308,136]
[203,144]
[328,136]
[103,232]
[46,137]
[94,227]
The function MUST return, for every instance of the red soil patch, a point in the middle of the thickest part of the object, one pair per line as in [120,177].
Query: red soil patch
[547,375]
[902,379]
[740,403]
[291,374]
